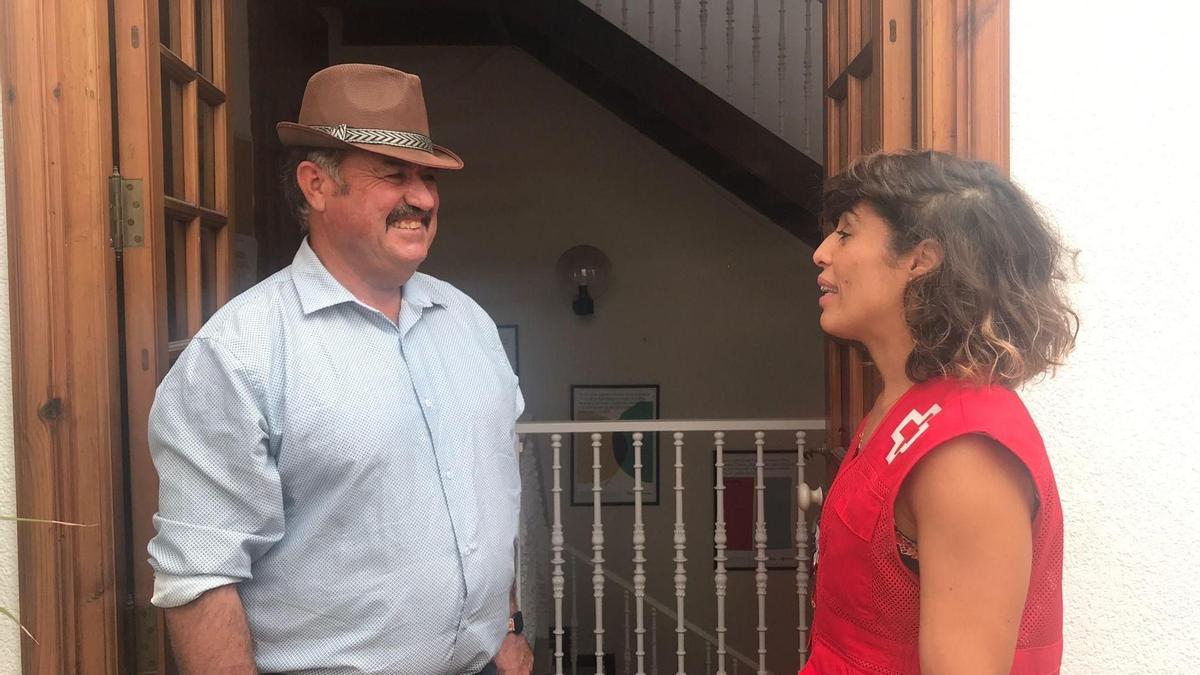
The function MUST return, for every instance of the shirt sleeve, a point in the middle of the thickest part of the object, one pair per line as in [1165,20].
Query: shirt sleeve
[220,504]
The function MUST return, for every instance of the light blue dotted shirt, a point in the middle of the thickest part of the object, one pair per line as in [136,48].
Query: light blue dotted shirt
[355,478]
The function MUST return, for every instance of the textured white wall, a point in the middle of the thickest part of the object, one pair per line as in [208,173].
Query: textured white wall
[1103,136]
[10,642]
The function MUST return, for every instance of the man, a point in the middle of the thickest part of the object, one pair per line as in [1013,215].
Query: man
[339,492]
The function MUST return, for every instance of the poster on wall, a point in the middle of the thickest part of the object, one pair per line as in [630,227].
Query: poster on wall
[606,403]
[779,506]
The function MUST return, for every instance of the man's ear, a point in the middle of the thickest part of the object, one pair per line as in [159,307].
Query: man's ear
[926,257]
[314,183]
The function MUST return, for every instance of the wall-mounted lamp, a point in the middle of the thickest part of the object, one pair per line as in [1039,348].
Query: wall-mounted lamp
[583,272]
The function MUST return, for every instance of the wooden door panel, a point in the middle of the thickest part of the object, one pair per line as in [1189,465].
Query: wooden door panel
[174,135]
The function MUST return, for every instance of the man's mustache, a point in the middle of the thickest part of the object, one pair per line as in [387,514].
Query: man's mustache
[406,212]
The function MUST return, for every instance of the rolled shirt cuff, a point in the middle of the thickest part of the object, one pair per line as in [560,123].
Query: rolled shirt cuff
[173,591]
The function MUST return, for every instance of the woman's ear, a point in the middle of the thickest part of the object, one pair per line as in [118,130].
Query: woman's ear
[926,257]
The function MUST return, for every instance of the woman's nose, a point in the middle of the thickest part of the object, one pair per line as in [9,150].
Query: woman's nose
[821,255]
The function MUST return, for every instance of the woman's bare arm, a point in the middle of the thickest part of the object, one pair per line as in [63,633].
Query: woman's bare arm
[972,502]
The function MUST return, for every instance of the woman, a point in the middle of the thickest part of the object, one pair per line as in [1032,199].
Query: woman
[940,547]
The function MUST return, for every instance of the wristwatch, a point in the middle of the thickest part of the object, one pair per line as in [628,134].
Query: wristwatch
[516,623]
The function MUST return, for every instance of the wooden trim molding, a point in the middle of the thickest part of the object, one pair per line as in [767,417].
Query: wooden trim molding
[963,82]
[54,74]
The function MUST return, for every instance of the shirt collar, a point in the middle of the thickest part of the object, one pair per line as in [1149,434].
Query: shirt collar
[318,288]
[421,291]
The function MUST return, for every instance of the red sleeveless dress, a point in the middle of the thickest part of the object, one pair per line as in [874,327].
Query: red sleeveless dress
[866,601]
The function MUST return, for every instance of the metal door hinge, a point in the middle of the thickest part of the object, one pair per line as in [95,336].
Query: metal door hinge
[126,212]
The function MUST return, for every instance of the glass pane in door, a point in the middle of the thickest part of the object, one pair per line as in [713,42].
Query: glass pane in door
[208,272]
[177,304]
[204,38]
[172,127]
[169,25]
[208,150]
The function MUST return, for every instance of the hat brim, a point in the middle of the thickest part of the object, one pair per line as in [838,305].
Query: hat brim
[293,134]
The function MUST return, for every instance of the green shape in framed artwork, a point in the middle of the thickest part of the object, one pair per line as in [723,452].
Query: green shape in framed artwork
[622,444]
[616,450]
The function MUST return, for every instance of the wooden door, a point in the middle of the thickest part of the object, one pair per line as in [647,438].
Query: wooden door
[173,130]
[901,74]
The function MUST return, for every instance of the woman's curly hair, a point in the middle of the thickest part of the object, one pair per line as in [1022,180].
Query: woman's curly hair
[995,309]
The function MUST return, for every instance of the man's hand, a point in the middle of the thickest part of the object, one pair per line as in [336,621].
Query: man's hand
[515,657]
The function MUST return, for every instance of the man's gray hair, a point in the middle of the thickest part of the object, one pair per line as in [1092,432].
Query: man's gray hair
[328,159]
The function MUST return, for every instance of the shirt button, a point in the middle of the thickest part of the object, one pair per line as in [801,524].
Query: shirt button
[428,403]
[449,475]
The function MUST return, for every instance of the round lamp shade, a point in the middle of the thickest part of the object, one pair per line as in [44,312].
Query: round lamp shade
[583,265]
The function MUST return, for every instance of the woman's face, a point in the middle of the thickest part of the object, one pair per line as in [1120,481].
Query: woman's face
[862,282]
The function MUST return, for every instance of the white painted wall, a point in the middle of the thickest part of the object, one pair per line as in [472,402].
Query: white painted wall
[1104,136]
[10,641]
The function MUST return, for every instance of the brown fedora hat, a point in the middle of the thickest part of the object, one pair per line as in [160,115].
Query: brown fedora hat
[367,107]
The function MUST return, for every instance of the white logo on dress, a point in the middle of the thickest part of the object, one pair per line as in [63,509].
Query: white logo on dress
[900,444]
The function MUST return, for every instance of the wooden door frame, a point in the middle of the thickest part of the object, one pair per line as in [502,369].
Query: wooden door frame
[54,70]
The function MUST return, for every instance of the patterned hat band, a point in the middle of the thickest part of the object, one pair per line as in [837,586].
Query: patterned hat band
[396,139]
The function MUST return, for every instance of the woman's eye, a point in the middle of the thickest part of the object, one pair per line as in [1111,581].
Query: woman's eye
[842,234]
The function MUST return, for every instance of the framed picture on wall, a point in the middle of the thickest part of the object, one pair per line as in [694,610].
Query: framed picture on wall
[607,403]
[509,338]
[779,506]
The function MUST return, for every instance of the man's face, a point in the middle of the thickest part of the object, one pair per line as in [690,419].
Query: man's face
[385,219]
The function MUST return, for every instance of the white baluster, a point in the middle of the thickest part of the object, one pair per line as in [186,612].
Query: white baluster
[720,578]
[678,32]
[801,549]
[653,640]
[597,554]
[729,49]
[574,619]
[760,548]
[625,633]
[707,658]
[556,558]
[650,23]
[639,557]
[755,58]
[522,536]
[807,73]
[782,63]
[703,41]
[680,557]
